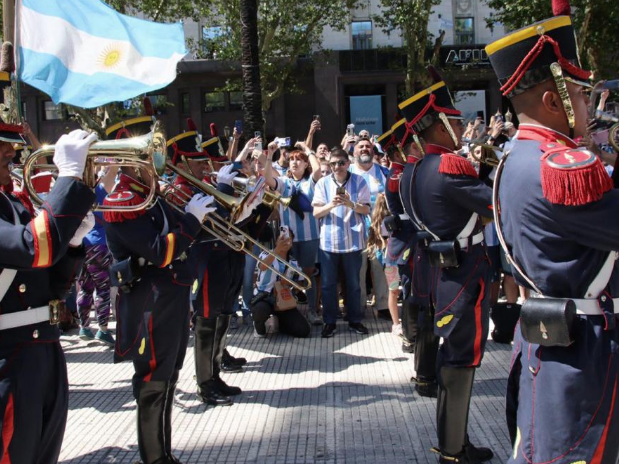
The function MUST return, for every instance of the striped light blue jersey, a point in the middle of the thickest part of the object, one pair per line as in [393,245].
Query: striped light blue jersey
[342,230]
[302,229]
[266,279]
[374,177]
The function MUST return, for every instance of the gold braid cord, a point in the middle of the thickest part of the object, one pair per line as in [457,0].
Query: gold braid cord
[557,73]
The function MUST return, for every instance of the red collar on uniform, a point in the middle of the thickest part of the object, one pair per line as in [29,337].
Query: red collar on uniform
[543,134]
[410,159]
[437,149]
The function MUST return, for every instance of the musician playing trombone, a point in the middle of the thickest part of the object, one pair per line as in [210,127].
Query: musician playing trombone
[154,274]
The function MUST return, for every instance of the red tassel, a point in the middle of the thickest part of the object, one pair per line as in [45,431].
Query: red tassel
[456,165]
[561,8]
[118,216]
[577,186]
[191,126]
[213,130]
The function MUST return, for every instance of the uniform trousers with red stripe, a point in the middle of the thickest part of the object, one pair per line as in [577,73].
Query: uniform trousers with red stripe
[220,278]
[156,340]
[461,296]
[563,402]
[34,394]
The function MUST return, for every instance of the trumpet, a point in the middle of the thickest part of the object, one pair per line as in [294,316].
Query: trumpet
[226,230]
[488,152]
[146,152]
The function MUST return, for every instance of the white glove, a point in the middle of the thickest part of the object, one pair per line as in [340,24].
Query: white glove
[71,151]
[199,206]
[225,175]
[86,226]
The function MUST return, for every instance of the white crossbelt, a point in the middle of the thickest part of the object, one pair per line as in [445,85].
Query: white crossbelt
[592,308]
[22,318]
[475,239]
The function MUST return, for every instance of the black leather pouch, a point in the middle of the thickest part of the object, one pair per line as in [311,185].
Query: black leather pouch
[444,254]
[260,296]
[392,223]
[125,274]
[548,321]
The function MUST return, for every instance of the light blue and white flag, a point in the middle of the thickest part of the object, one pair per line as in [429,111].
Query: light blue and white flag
[84,53]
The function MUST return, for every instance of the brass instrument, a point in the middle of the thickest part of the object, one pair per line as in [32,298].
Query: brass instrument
[488,155]
[225,229]
[613,132]
[146,152]
[245,185]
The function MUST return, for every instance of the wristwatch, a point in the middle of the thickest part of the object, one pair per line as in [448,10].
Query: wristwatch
[311,153]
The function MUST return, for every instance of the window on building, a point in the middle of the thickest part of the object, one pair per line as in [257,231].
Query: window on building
[465,31]
[52,111]
[361,35]
[185,103]
[236,101]
[210,34]
[214,101]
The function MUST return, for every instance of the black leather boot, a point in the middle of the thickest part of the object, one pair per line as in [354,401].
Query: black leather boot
[226,389]
[229,359]
[426,350]
[452,413]
[204,350]
[168,418]
[410,313]
[151,411]
[223,323]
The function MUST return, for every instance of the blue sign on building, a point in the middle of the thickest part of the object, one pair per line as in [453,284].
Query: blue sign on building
[366,112]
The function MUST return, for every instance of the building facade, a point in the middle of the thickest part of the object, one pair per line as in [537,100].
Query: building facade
[361,82]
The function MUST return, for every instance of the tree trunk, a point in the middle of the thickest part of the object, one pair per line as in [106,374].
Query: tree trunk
[250,60]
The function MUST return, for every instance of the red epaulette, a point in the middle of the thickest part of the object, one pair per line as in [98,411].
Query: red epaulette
[393,184]
[456,165]
[572,176]
[128,192]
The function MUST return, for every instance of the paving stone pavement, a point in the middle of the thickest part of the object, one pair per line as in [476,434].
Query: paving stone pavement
[347,399]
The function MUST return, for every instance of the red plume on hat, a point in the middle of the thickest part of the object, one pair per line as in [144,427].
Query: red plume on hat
[191,126]
[148,107]
[561,7]
[213,130]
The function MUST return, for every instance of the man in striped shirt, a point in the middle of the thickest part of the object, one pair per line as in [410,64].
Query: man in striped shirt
[376,179]
[341,201]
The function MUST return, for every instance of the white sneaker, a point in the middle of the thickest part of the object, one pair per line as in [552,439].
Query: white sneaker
[396,329]
[313,318]
[257,335]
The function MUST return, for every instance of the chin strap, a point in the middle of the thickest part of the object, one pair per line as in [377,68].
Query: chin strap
[557,74]
[450,130]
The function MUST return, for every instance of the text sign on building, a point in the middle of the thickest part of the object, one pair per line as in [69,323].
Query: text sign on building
[469,56]
[366,112]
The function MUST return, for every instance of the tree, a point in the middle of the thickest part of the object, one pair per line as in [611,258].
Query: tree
[596,23]
[250,60]
[287,30]
[411,18]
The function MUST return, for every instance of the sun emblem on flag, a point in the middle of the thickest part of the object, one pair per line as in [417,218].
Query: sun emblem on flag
[110,56]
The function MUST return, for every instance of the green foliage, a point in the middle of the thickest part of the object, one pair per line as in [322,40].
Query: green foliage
[596,23]
[287,30]
[411,18]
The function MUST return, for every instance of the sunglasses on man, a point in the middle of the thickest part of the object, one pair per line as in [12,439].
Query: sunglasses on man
[337,163]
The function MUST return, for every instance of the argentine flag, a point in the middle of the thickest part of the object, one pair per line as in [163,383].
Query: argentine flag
[84,53]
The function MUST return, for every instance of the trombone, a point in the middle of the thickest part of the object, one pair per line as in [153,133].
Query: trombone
[143,152]
[226,230]
[245,185]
